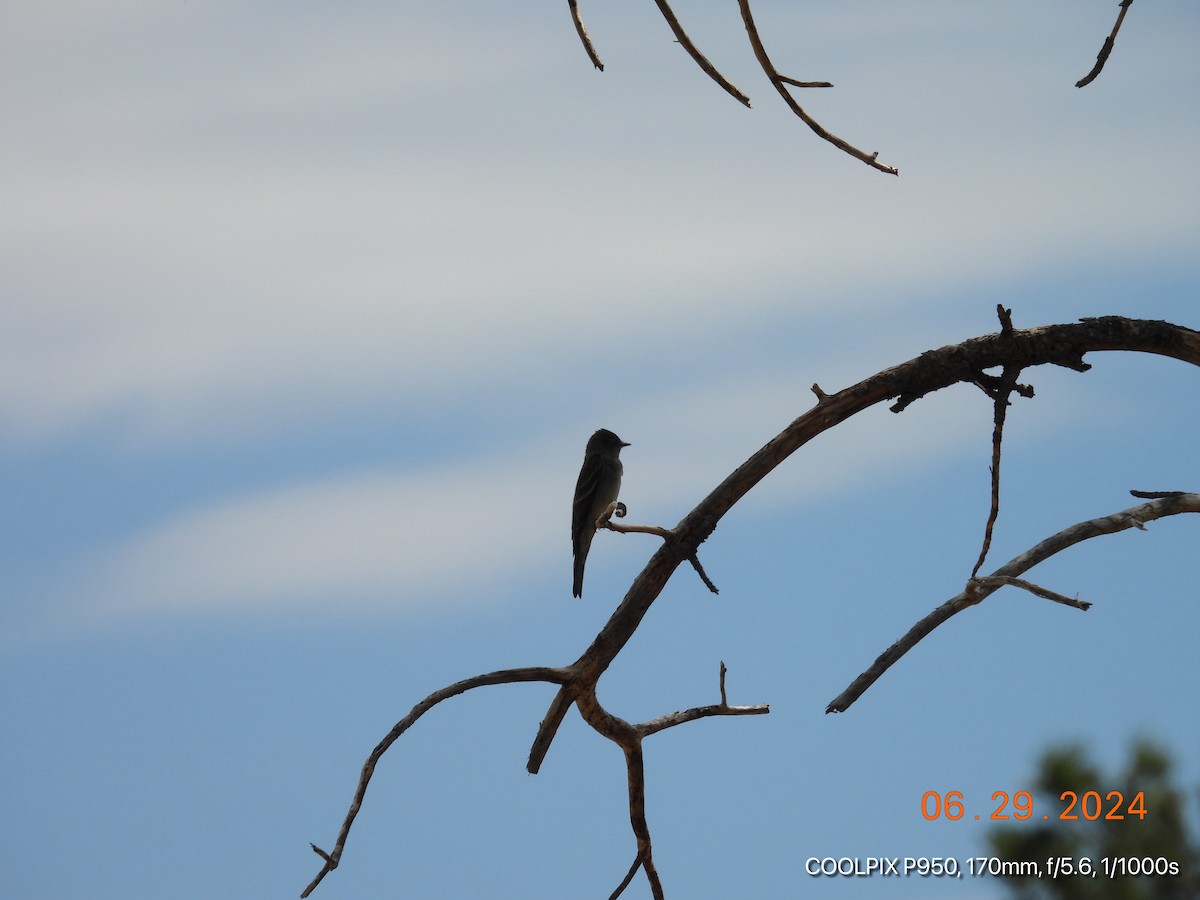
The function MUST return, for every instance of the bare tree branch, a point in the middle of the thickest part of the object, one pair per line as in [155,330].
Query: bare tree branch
[504,676]
[583,35]
[999,389]
[633,870]
[804,84]
[629,738]
[1061,345]
[1106,47]
[694,52]
[780,82]
[662,723]
[636,774]
[966,362]
[618,509]
[980,588]
[1036,590]
[1003,389]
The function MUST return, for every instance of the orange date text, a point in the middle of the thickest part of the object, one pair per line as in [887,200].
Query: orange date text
[1072,806]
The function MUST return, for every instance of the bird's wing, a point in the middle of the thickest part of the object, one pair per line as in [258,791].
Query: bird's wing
[585,495]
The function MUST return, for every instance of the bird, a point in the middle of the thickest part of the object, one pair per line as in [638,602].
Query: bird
[598,485]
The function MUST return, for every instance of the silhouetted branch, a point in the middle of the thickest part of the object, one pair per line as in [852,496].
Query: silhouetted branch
[636,775]
[504,676]
[966,362]
[662,723]
[1036,590]
[583,35]
[1060,345]
[1106,47]
[780,82]
[694,52]
[980,588]
[1004,388]
[633,870]
[695,561]
[618,509]
[629,738]
[804,84]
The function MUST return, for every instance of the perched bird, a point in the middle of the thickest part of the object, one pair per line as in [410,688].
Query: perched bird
[598,485]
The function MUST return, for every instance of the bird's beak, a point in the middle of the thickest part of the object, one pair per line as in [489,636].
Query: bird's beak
[626,444]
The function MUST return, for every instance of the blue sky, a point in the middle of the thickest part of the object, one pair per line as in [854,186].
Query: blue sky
[306,313]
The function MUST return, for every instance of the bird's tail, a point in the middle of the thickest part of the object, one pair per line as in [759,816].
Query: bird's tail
[581,552]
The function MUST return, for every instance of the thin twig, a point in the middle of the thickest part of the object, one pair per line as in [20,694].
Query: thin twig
[629,738]
[980,588]
[583,35]
[694,52]
[637,864]
[1035,589]
[999,389]
[662,723]
[781,82]
[1008,381]
[1106,47]
[504,676]
[695,561]
[805,84]
[656,530]
[616,508]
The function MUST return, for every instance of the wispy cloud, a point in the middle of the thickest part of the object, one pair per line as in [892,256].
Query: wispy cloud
[461,534]
[223,244]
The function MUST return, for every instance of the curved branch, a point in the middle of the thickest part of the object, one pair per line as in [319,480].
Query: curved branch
[694,52]
[636,775]
[629,739]
[978,589]
[1105,48]
[583,35]
[1061,345]
[781,82]
[504,676]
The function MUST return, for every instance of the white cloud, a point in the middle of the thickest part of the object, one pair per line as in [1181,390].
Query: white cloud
[459,534]
[230,242]
[225,226]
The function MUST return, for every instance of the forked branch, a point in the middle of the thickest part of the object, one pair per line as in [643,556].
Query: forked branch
[1061,345]
[999,389]
[1010,350]
[629,738]
[781,83]
[618,509]
[978,589]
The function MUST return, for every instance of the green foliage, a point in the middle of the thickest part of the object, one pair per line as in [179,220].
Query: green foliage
[1160,837]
